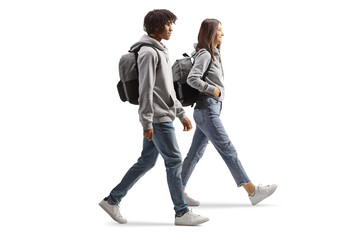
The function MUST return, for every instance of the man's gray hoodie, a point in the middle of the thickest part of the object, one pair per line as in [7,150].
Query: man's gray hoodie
[214,77]
[157,98]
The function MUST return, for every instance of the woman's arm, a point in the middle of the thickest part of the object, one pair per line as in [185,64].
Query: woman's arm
[202,62]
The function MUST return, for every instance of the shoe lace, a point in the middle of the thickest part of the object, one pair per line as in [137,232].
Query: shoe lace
[263,187]
[260,186]
[191,212]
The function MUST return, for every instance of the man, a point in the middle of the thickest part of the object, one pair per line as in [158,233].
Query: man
[158,107]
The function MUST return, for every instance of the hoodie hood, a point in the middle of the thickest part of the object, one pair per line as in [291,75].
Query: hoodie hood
[145,39]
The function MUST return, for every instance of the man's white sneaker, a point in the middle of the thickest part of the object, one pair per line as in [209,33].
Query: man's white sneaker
[262,192]
[190,219]
[113,211]
[190,201]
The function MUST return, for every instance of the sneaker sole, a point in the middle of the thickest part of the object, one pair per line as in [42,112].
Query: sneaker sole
[123,222]
[266,196]
[193,205]
[194,224]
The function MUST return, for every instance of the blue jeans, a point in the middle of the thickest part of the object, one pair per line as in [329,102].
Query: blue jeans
[164,142]
[209,127]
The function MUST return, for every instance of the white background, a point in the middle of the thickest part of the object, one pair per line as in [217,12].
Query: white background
[292,110]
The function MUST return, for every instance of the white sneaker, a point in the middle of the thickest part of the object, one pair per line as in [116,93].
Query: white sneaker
[262,192]
[113,211]
[190,219]
[191,202]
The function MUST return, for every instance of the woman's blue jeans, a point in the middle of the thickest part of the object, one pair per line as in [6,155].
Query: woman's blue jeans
[164,142]
[209,127]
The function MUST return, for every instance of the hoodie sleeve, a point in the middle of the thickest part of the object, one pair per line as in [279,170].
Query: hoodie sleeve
[147,61]
[180,112]
[201,63]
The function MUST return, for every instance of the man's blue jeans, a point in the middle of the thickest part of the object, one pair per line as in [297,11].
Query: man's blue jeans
[209,127]
[163,142]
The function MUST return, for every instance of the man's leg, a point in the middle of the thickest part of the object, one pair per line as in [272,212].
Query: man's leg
[196,151]
[147,160]
[165,141]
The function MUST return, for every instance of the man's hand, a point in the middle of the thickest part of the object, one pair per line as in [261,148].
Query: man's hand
[149,134]
[216,92]
[187,124]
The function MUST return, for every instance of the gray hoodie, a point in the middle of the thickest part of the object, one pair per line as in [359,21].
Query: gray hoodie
[157,98]
[214,77]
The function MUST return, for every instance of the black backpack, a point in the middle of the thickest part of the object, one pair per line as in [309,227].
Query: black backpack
[180,70]
[128,86]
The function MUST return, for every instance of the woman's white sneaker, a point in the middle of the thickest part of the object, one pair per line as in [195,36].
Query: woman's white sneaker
[190,219]
[262,192]
[113,211]
[190,201]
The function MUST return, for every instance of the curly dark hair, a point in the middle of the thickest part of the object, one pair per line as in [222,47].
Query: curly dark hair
[155,21]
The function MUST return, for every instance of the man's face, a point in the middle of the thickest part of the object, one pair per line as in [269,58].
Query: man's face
[166,32]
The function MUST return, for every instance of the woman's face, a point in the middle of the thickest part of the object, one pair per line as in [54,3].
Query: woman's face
[219,35]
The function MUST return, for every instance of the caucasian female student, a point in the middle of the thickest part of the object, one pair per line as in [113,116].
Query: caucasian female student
[207,114]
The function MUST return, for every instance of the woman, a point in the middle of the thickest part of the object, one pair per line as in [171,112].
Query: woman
[207,113]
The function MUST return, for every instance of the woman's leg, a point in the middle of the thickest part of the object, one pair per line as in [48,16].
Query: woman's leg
[250,188]
[215,131]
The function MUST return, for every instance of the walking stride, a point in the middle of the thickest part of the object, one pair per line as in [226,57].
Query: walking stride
[207,114]
[158,107]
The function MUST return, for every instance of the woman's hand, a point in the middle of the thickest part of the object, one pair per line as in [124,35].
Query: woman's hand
[216,92]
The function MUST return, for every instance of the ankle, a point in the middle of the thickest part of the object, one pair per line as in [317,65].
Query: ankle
[250,188]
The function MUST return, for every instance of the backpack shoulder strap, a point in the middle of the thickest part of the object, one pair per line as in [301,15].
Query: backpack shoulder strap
[136,51]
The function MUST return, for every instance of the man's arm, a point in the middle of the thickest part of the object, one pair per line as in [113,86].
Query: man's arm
[147,61]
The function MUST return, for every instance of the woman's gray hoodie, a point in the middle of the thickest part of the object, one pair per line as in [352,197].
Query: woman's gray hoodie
[157,98]
[214,77]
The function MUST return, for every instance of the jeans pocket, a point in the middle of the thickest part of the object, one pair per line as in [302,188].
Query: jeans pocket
[198,116]
[214,109]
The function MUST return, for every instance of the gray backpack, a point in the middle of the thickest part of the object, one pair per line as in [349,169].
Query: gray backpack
[180,70]
[128,86]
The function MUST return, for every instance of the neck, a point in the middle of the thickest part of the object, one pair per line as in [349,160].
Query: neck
[156,37]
